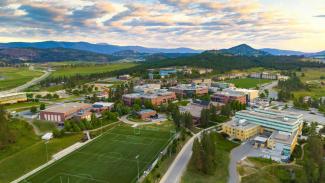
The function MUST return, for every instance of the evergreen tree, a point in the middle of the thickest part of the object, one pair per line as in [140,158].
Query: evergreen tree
[205,117]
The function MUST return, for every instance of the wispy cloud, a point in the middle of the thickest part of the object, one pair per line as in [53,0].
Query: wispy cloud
[165,23]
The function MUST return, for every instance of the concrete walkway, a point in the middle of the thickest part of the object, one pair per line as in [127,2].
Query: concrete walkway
[125,120]
[178,167]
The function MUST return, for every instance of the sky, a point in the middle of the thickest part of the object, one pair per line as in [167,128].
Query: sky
[199,24]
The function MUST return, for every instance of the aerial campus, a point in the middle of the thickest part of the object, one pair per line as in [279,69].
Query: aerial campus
[185,106]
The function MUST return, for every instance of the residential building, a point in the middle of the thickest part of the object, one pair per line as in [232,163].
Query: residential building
[146,113]
[189,90]
[12,98]
[226,97]
[157,97]
[60,113]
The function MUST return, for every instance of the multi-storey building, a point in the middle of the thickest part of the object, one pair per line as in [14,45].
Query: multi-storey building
[226,97]
[273,129]
[146,88]
[250,94]
[62,112]
[190,90]
[155,98]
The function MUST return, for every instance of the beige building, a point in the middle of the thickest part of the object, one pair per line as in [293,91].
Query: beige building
[13,98]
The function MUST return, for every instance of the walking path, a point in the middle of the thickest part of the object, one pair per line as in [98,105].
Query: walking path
[177,168]
[125,120]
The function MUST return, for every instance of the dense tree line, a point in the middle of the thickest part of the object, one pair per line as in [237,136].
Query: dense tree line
[6,136]
[288,86]
[204,156]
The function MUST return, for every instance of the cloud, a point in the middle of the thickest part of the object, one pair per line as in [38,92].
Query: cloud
[319,16]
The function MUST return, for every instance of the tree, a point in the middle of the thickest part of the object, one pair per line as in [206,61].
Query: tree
[188,120]
[136,107]
[226,110]
[205,117]
[33,109]
[197,155]
[6,136]
[213,113]
[176,116]
[42,106]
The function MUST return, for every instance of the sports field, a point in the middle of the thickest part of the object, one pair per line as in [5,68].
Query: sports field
[109,158]
[12,77]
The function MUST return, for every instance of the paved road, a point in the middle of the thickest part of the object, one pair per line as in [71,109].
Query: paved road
[236,155]
[28,84]
[177,168]
[272,93]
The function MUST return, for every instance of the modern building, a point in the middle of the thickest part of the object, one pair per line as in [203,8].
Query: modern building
[146,88]
[226,97]
[146,113]
[157,97]
[124,77]
[272,129]
[206,82]
[163,72]
[13,98]
[190,90]
[60,113]
[266,75]
[102,106]
[251,95]
[222,85]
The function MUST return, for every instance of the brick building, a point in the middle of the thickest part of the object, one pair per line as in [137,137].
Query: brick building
[155,98]
[62,112]
[226,97]
[190,90]
[146,113]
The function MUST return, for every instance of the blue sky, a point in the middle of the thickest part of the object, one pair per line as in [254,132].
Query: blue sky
[200,24]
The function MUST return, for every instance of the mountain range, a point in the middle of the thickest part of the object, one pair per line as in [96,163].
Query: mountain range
[102,52]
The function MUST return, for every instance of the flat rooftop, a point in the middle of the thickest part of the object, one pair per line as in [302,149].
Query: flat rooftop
[280,116]
[67,108]
[230,94]
[283,137]
[241,125]
[193,109]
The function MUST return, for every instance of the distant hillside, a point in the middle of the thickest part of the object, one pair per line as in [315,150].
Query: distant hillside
[240,50]
[282,52]
[97,48]
[17,55]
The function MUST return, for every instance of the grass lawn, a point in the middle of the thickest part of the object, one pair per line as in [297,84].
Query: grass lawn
[312,76]
[44,126]
[267,171]
[224,147]
[89,69]
[110,157]
[22,106]
[12,77]
[28,152]
[248,82]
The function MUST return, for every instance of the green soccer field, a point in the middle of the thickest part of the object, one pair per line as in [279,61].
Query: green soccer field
[109,158]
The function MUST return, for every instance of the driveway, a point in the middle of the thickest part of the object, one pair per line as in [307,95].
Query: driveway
[272,93]
[125,120]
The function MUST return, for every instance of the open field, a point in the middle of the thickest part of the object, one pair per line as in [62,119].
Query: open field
[248,82]
[109,158]
[28,152]
[13,77]
[313,77]
[224,147]
[261,170]
[89,69]
[22,106]
[44,126]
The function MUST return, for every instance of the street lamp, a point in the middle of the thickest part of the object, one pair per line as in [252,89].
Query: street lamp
[137,158]
[47,157]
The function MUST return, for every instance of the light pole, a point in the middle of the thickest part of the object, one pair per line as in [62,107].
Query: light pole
[47,157]
[137,158]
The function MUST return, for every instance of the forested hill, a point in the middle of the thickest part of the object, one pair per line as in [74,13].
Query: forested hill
[18,55]
[224,63]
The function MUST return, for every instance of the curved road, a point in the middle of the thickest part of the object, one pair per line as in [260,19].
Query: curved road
[125,120]
[177,168]
[29,83]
